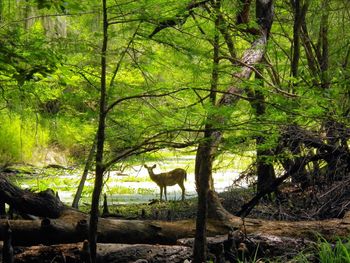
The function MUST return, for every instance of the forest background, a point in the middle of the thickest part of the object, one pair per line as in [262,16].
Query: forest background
[219,75]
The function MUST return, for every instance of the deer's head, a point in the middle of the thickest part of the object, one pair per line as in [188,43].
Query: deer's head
[150,168]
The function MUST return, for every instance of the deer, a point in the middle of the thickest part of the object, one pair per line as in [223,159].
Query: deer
[176,176]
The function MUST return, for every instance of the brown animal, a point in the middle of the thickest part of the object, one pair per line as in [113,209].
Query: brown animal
[177,176]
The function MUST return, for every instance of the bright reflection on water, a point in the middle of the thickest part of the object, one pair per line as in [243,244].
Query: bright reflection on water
[133,185]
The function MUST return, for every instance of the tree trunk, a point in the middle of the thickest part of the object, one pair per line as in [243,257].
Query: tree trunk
[203,166]
[264,169]
[204,161]
[1,10]
[100,168]
[77,196]
[208,147]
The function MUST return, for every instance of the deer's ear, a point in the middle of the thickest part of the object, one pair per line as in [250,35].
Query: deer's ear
[145,166]
[154,166]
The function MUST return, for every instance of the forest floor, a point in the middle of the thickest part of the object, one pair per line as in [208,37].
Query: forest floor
[292,204]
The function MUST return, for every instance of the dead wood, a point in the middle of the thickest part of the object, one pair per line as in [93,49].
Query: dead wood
[43,203]
[72,227]
[329,229]
[219,247]
[230,247]
[107,253]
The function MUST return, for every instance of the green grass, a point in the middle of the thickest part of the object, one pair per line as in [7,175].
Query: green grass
[338,253]
[326,252]
[132,178]
[157,210]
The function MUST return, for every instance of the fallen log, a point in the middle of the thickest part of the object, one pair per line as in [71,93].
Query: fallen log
[72,227]
[256,246]
[329,229]
[237,246]
[107,253]
[43,204]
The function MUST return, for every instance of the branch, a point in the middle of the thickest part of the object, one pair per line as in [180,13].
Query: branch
[111,106]
[148,145]
[179,19]
[122,56]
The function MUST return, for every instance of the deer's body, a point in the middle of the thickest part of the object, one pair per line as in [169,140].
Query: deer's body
[176,176]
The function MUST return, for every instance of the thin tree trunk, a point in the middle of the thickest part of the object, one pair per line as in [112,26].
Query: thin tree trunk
[324,63]
[310,56]
[296,38]
[299,17]
[204,161]
[87,167]
[264,169]
[243,14]
[94,213]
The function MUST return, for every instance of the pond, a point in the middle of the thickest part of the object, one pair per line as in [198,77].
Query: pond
[133,185]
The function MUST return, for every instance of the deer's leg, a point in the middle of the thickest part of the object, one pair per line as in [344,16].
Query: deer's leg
[166,198]
[183,190]
[161,192]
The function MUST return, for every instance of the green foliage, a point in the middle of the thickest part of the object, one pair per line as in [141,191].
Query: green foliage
[326,252]
[20,138]
[69,133]
[52,80]
[26,56]
[338,253]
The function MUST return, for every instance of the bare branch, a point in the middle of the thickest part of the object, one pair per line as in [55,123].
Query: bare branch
[179,19]
[139,96]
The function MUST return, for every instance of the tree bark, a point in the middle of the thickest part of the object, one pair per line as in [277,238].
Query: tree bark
[264,169]
[100,167]
[107,253]
[323,40]
[77,196]
[72,227]
[204,160]
[258,246]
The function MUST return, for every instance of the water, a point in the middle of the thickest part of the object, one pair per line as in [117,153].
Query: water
[222,180]
[131,186]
